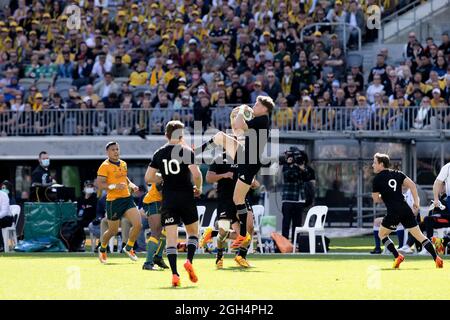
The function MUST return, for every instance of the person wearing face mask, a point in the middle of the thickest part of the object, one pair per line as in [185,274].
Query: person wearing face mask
[86,210]
[87,204]
[7,187]
[41,175]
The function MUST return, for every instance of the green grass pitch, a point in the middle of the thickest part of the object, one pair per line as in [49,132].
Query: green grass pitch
[81,276]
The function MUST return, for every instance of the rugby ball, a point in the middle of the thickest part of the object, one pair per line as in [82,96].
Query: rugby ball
[248,112]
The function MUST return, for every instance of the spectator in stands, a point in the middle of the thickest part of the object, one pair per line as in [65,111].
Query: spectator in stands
[424,115]
[445,45]
[82,71]
[361,115]
[119,69]
[203,112]
[273,87]
[66,68]
[379,69]
[32,70]
[337,61]
[423,66]
[284,116]
[355,17]
[101,67]
[13,89]
[437,100]
[48,70]
[375,87]
[107,86]
[409,47]
[258,91]
[357,77]
[140,76]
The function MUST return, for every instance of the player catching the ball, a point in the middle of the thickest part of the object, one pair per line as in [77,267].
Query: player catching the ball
[248,152]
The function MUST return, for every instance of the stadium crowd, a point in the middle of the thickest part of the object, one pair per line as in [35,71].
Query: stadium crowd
[131,67]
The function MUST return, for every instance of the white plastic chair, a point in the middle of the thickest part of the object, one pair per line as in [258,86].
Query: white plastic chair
[10,233]
[258,213]
[318,229]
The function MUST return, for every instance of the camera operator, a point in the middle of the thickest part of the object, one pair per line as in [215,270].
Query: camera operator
[298,188]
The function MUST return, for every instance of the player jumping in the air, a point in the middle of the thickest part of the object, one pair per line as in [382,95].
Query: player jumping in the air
[253,147]
[387,188]
[175,162]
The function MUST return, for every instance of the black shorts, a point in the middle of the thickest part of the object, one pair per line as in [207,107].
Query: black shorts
[226,210]
[247,172]
[403,215]
[176,215]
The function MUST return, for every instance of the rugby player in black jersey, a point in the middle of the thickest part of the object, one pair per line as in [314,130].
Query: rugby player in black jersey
[387,188]
[248,152]
[175,163]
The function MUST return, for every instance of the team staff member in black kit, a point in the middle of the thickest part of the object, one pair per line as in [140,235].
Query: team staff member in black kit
[41,175]
[387,188]
[175,163]
[224,171]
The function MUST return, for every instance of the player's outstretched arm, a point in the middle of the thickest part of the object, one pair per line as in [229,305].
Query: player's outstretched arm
[220,139]
[151,176]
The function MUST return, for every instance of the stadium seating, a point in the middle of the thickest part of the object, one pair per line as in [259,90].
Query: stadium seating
[320,214]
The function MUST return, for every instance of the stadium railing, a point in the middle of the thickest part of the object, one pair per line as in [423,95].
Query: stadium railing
[152,121]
